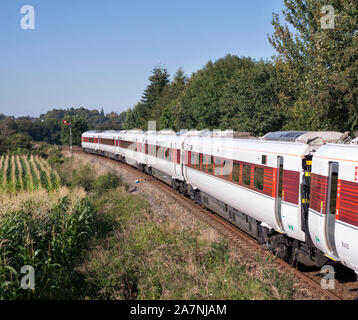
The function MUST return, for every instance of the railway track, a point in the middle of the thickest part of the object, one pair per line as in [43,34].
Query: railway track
[239,238]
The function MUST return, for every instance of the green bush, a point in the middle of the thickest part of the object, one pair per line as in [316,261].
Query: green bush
[109,181]
[72,175]
[55,157]
[84,177]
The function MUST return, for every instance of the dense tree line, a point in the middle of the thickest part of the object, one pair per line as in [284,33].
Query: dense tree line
[18,133]
[231,93]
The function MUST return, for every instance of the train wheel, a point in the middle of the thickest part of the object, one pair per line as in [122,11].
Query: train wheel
[181,187]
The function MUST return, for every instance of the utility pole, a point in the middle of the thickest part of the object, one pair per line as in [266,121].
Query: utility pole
[68,124]
[70,139]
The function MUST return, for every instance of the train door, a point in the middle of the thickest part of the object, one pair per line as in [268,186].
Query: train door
[177,168]
[183,160]
[96,140]
[279,183]
[331,207]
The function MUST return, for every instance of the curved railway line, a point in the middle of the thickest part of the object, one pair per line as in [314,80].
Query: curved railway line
[345,287]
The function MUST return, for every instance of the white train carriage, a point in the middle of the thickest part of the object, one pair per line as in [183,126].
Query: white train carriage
[108,143]
[333,213]
[163,155]
[130,146]
[258,178]
[89,141]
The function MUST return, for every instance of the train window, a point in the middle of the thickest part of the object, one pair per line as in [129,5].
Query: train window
[280,180]
[152,150]
[218,166]
[210,164]
[236,172]
[192,159]
[263,159]
[259,178]
[246,174]
[204,165]
[196,164]
[333,200]
[200,161]
[227,169]
[166,154]
[195,160]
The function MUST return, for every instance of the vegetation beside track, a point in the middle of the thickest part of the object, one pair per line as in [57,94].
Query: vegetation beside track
[151,256]
[92,239]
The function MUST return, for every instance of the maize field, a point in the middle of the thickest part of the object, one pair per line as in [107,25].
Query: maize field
[26,173]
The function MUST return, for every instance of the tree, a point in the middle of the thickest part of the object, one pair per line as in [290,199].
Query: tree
[157,82]
[319,64]
[165,110]
[250,101]
[19,141]
[167,118]
[199,105]
[149,107]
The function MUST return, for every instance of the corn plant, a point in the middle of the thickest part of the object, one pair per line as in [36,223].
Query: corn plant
[55,181]
[9,183]
[43,176]
[35,179]
[17,176]
[51,244]
[2,173]
[25,176]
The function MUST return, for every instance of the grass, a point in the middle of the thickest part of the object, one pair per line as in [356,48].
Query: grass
[147,256]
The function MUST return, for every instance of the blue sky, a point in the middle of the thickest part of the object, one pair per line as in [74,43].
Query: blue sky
[99,54]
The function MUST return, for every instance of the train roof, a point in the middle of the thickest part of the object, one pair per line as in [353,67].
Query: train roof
[287,148]
[307,137]
[339,152]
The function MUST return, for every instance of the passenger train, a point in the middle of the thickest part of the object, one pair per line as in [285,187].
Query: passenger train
[295,192]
